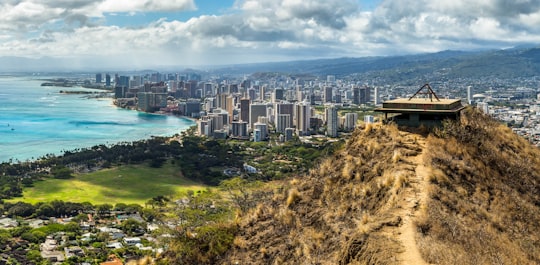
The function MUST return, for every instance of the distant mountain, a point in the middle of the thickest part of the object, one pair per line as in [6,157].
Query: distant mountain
[509,63]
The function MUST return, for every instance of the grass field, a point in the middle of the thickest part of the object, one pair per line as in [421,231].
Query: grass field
[126,184]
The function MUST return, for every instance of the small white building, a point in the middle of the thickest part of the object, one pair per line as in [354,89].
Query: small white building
[131,241]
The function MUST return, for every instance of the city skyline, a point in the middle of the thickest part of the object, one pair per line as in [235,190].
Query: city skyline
[146,33]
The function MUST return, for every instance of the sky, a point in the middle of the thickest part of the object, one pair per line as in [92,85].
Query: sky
[146,33]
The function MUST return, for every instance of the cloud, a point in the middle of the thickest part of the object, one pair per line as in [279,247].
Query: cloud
[267,30]
[146,5]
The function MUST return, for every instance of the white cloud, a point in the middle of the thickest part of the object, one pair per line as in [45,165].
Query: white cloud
[264,29]
[146,5]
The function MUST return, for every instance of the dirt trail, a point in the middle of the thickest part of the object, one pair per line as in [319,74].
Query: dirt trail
[414,196]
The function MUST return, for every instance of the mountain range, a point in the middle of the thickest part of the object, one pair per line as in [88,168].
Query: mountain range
[508,63]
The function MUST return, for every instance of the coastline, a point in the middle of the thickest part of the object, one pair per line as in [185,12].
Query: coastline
[50,123]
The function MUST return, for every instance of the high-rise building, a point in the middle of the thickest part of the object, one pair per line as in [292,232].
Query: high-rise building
[356,95]
[148,101]
[263,129]
[98,78]
[483,106]
[252,94]
[239,130]
[262,92]
[123,81]
[193,108]
[328,94]
[350,121]
[469,95]
[256,111]
[376,96]
[208,91]
[202,126]
[302,118]
[233,88]
[285,108]
[108,80]
[120,92]
[299,93]
[144,101]
[283,121]
[244,109]
[230,107]
[365,95]
[277,95]
[331,121]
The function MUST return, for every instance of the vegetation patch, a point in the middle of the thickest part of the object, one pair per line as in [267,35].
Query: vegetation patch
[126,184]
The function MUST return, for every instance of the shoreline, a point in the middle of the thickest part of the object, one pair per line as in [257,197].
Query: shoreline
[110,128]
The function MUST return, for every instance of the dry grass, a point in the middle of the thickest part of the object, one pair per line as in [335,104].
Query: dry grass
[482,208]
[484,205]
[320,217]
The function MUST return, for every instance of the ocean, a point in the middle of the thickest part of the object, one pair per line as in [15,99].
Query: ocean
[38,120]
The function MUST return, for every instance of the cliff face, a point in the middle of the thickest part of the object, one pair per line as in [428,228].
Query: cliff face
[468,194]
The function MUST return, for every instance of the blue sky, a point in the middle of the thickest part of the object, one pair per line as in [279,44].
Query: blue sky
[147,33]
[205,7]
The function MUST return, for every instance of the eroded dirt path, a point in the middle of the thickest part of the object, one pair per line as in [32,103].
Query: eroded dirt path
[413,196]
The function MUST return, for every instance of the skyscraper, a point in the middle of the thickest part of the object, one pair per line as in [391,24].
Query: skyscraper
[262,91]
[302,118]
[469,95]
[328,93]
[376,96]
[365,95]
[108,80]
[331,121]
[98,78]
[350,121]
[285,108]
[277,95]
[244,109]
[356,95]
[283,122]
[256,110]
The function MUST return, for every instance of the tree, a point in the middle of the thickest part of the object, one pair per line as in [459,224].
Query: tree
[120,207]
[61,172]
[103,209]
[45,209]
[21,209]
[240,192]
[132,226]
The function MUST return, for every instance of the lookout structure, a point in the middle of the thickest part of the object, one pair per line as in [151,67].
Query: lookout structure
[415,111]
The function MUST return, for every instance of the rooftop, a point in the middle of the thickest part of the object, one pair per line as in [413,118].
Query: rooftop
[423,101]
[429,104]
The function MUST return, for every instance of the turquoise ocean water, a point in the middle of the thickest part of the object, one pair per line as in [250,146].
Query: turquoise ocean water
[36,120]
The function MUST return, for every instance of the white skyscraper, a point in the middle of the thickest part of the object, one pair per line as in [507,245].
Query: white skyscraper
[483,106]
[331,121]
[376,96]
[350,121]
[302,117]
[469,95]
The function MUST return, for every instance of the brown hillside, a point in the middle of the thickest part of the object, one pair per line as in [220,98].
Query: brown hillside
[468,195]
[484,199]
